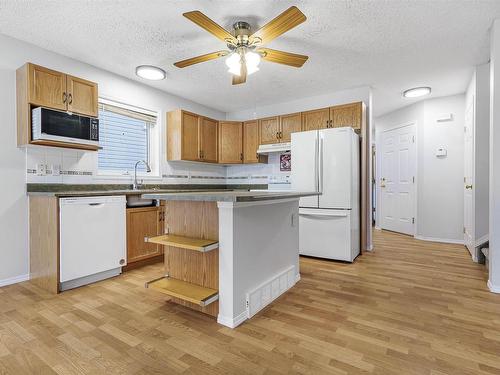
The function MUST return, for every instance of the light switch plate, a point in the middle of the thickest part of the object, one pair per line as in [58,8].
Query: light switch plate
[41,169]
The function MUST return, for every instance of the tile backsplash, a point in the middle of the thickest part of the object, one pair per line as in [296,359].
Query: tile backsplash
[59,165]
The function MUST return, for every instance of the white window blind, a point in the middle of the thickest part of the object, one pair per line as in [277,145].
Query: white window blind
[124,136]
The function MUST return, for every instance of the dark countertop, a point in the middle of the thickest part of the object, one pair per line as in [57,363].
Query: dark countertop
[80,190]
[227,196]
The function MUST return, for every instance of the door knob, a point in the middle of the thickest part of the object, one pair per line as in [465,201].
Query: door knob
[468,186]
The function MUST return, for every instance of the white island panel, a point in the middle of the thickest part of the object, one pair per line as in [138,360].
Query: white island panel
[258,254]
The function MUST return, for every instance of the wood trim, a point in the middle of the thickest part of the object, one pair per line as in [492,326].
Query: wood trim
[143,263]
[65,145]
[44,242]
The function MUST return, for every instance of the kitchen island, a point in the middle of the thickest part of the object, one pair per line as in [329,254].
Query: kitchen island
[229,254]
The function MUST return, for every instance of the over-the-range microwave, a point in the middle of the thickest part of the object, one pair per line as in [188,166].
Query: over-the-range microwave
[51,125]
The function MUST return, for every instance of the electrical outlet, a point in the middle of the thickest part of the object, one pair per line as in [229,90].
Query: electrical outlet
[41,169]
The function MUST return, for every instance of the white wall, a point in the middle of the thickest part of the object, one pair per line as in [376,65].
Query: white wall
[494,235]
[14,254]
[439,181]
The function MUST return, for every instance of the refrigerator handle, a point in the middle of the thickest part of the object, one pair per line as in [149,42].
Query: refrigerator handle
[320,168]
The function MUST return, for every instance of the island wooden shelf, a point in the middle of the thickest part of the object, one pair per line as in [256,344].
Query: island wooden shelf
[196,244]
[185,291]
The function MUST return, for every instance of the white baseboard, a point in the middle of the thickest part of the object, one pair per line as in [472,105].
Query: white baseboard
[14,280]
[436,239]
[493,288]
[482,240]
[232,322]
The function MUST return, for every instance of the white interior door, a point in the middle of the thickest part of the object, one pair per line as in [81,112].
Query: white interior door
[468,177]
[397,179]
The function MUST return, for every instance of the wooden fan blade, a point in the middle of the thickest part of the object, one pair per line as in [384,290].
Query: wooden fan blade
[215,29]
[281,57]
[200,59]
[242,78]
[280,25]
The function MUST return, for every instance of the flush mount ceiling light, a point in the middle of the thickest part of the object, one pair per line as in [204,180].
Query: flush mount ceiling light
[416,92]
[244,47]
[150,72]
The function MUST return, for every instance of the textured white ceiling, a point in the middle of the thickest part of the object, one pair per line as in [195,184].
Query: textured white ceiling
[390,45]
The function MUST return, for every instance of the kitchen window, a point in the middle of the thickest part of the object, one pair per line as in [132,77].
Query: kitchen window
[125,135]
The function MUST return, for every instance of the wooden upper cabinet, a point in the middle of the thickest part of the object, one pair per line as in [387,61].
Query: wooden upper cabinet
[290,124]
[347,115]
[37,86]
[81,96]
[190,136]
[46,87]
[269,130]
[208,139]
[251,143]
[317,119]
[230,142]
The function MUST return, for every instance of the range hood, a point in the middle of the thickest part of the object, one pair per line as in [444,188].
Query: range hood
[275,147]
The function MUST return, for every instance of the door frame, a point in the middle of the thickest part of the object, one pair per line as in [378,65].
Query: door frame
[378,171]
[473,180]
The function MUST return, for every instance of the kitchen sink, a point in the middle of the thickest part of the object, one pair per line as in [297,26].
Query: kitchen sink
[137,201]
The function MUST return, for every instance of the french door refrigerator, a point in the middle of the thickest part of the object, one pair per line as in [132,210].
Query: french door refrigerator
[327,161]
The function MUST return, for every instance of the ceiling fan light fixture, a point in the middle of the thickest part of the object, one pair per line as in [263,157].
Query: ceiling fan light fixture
[416,92]
[233,62]
[150,72]
[252,60]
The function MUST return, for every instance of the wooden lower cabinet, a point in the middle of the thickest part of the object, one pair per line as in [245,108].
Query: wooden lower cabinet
[144,222]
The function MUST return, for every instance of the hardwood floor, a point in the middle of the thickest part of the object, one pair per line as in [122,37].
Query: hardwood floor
[410,307]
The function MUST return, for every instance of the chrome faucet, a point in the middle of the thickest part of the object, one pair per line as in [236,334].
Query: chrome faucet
[136,185]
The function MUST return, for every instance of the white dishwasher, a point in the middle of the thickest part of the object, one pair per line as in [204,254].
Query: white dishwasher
[92,239]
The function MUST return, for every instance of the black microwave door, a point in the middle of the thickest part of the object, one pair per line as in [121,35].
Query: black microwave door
[63,124]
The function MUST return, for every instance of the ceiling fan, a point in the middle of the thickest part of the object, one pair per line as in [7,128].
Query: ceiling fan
[245,49]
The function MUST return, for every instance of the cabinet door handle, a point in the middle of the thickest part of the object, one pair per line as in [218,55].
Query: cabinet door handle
[277,135]
[257,155]
[331,123]
[327,123]
[65,97]
[70,98]
[241,156]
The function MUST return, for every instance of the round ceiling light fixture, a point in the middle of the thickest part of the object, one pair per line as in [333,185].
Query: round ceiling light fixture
[150,72]
[417,92]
